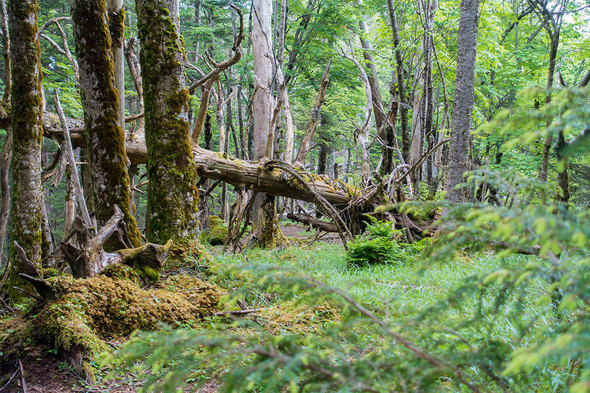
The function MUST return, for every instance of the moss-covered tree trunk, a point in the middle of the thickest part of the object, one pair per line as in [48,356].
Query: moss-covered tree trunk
[172,192]
[100,101]
[27,128]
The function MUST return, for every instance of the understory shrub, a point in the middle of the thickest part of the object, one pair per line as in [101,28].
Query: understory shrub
[381,243]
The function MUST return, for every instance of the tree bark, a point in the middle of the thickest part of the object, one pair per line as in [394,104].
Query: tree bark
[27,129]
[464,97]
[6,53]
[265,223]
[172,193]
[100,101]
[116,14]
[401,88]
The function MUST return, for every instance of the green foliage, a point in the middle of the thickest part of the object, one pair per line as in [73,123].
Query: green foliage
[382,244]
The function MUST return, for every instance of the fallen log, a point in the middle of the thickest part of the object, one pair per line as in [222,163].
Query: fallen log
[249,174]
[313,222]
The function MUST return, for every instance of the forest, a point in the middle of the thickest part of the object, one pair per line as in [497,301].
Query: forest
[295,196]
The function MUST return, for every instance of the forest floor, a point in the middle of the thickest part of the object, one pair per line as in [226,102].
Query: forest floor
[406,288]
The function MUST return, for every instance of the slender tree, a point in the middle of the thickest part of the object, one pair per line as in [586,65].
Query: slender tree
[100,101]
[27,128]
[464,96]
[172,192]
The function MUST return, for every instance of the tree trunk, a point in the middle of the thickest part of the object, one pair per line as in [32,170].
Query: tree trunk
[265,223]
[27,129]
[172,193]
[401,88]
[289,123]
[100,101]
[464,96]
[6,53]
[550,77]
[5,186]
[116,14]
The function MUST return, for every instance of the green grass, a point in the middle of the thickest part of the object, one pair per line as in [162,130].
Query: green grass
[405,288]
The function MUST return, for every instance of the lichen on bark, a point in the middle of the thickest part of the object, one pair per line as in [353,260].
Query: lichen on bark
[172,192]
[105,137]
[27,128]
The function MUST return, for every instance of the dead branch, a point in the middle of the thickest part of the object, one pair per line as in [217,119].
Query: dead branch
[239,312]
[421,159]
[72,162]
[315,117]
[220,67]
[64,49]
[207,81]
[343,230]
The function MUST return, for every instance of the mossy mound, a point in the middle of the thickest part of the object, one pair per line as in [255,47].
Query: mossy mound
[217,232]
[183,253]
[90,312]
[121,272]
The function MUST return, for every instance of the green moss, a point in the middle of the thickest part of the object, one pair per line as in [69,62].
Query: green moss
[121,272]
[27,128]
[117,27]
[172,193]
[269,235]
[100,308]
[187,253]
[217,232]
[105,137]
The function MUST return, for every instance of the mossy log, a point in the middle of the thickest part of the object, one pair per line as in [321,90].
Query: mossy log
[240,173]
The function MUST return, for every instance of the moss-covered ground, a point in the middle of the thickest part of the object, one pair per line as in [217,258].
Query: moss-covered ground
[402,290]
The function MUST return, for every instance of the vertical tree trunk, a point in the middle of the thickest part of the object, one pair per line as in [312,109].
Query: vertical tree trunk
[100,101]
[289,123]
[550,77]
[401,88]
[70,200]
[5,186]
[223,142]
[6,47]
[116,14]
[172,193]
[27,129]
[266,230]
[7,153]
[464,96]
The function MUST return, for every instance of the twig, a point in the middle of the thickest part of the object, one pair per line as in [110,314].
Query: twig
[22,374]
[238,312]
[39,298]
[10,380]
[397,336]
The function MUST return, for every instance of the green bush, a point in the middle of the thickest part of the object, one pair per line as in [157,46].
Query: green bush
[381,244]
